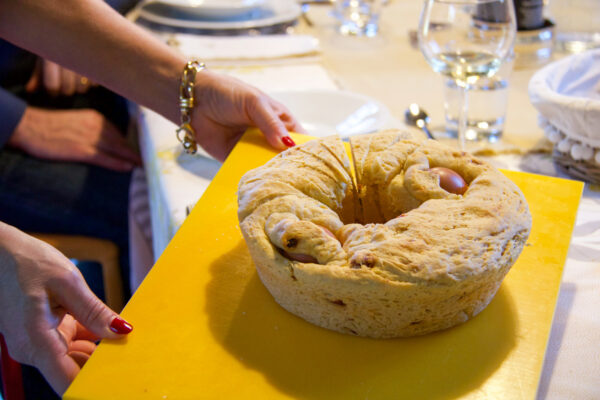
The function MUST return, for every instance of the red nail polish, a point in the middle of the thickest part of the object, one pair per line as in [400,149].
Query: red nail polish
[119,325]
[288,141]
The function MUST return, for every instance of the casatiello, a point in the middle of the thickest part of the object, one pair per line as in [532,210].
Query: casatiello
[418,239]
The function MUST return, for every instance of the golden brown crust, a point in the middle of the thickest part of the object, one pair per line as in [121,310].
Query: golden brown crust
[425,260]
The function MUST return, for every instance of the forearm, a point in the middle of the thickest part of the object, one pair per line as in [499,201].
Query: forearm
[91,38]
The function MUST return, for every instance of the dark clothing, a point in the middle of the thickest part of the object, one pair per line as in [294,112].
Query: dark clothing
[16,67]
[69,198]
[11,111]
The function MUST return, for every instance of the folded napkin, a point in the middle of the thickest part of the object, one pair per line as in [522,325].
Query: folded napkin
[245,47]
[567,95]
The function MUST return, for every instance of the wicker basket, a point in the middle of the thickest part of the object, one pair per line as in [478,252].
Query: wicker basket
[585,170]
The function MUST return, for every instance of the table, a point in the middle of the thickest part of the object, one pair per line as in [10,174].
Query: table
[390,70]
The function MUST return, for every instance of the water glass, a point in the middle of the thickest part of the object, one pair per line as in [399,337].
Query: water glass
[467,41]
[487,99]
[358,17]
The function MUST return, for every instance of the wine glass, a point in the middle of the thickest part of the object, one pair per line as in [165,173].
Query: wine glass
[466,40]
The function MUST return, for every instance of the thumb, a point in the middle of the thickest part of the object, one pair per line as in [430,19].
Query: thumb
[74,295]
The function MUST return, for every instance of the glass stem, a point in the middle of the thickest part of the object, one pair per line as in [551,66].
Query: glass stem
[463,88]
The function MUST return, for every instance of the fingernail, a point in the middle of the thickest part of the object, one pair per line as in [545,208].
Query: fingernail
[119,325]
[288,141]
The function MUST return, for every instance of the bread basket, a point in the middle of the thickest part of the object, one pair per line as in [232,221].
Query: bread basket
[567,95]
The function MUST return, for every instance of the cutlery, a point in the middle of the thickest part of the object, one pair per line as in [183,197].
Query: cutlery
[305,7]
[416,116]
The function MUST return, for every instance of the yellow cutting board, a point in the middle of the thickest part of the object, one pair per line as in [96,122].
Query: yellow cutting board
[206,328]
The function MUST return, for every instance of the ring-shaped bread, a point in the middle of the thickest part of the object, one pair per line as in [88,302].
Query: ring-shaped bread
[391,254]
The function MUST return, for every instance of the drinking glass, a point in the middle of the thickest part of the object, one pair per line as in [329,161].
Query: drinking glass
[358,17]
[465,40]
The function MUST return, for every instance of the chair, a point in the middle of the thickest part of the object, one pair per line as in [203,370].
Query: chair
[106,254]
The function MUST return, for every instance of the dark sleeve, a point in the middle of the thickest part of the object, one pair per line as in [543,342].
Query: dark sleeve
[122,6]
[11,111]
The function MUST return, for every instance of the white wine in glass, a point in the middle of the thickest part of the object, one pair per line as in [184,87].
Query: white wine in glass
[466,40]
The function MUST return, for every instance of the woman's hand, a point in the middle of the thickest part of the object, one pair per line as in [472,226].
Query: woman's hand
[57,80]
[73,135]
[49,317]
[226,107]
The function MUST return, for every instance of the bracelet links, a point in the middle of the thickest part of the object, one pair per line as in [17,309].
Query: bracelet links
[185,132]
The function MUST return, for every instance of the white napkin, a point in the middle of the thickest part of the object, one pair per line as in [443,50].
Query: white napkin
[567,95]
[245,47]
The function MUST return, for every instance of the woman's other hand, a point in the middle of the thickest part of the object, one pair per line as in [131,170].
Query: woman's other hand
[50,318]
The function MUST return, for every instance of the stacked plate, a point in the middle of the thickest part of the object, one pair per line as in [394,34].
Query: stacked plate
[219,14]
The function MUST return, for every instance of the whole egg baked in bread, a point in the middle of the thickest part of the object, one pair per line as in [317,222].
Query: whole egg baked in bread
[385,251]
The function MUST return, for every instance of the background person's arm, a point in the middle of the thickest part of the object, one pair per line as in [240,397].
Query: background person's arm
[82,135]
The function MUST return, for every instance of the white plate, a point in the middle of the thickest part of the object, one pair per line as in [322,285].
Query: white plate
[214,8]
[327,112]
[272,12]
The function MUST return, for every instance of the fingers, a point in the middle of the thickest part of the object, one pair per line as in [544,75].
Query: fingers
[82,333]
[59,80]
[82,346]
[268,121]
[115,144]
[291,124]
[72,293]
[63,352]
[100,143]
[68,82]
[74,135]
[100,158]
[60,370]
[79,357]
[51,75]
[73,332]
[78,348]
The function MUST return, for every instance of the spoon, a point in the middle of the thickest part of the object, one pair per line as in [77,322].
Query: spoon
[416,116]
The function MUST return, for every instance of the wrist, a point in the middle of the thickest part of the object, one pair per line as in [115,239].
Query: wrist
[9,237]
[23,129]
[187,101]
